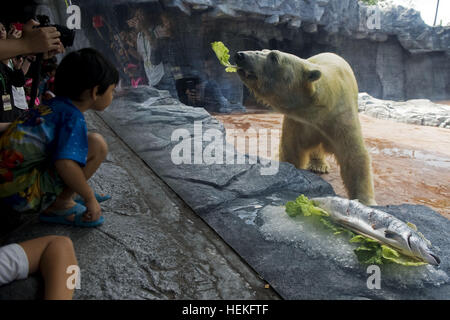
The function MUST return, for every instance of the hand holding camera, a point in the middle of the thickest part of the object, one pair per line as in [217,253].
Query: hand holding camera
[45,39]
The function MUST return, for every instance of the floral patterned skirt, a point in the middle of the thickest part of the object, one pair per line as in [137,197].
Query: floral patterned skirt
[28,179]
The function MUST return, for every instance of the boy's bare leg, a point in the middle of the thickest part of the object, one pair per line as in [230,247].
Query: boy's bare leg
[52,255]
[97,151]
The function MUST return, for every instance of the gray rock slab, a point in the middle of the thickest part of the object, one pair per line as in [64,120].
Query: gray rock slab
[415,111]
[245,209]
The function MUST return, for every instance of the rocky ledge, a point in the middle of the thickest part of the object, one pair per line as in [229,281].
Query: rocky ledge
[244,206]
[417,111]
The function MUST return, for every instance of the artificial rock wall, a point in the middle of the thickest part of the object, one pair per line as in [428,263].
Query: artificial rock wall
[394,54]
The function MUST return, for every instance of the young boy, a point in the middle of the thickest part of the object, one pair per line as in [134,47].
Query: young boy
[47,156]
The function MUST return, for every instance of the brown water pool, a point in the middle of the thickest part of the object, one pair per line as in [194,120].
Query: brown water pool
[411,163]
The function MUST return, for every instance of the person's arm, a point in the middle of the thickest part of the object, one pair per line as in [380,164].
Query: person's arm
[34,40]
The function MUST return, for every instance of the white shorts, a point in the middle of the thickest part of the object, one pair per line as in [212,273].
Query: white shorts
[13,263]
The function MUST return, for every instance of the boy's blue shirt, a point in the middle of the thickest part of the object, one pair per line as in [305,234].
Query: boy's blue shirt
[29,148]
[70,130]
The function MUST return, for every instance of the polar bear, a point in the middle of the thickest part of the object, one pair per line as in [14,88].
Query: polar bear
[319,99]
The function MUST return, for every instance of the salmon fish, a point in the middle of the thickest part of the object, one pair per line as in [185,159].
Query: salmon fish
[380,226]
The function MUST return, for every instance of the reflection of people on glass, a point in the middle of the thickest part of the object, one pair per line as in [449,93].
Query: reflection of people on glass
[132,72]
[164,51]
[208,93]
[145,38]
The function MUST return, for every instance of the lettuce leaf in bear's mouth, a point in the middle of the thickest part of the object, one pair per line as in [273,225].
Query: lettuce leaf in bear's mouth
[369,251]
[221,52]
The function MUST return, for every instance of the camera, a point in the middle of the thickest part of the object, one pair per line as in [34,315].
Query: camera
[67,35]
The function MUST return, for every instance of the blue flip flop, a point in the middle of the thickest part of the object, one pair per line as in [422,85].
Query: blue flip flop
[100,198]
[59,217]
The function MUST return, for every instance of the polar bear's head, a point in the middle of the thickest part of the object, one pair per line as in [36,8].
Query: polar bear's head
[275,77]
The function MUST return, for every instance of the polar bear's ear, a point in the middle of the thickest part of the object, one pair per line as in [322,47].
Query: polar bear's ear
[314,75]
[273,57]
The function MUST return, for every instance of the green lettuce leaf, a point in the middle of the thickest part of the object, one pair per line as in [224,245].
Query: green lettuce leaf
[362,239]
[373,252]
[369,251]
[392,255]
[221,52]
[369,254]
[302,205]
[335,228]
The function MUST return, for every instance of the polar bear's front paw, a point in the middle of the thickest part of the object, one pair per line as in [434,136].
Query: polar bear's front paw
[318,166]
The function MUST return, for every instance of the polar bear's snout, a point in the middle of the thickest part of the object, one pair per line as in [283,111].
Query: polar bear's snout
[239,56]
[245,69]
[244,60]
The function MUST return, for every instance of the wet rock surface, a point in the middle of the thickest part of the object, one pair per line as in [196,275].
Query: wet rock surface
[233,200]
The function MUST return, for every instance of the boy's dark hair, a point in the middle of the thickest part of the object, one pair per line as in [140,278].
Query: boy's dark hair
[84,69]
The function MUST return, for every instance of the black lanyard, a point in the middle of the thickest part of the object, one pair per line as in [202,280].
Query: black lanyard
[3,83]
